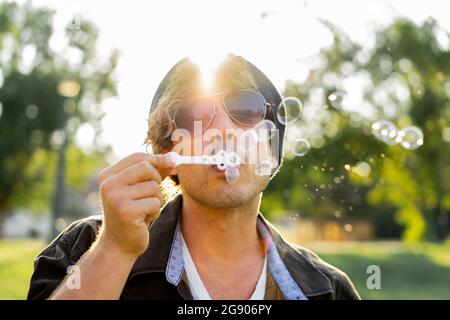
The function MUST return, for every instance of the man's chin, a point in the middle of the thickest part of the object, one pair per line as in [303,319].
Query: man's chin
[225,202]
[215,191]
[224,195]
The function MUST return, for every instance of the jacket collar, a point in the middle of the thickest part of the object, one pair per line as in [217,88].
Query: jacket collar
[162,231]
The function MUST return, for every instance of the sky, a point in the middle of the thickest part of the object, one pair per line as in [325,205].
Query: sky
[274,35]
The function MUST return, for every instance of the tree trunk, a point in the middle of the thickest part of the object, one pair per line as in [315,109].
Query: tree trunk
[2,219]
[440,218]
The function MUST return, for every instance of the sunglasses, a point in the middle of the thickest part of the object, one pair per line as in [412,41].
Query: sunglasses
[245,107]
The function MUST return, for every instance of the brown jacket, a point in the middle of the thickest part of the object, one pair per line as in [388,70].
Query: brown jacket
[148,280]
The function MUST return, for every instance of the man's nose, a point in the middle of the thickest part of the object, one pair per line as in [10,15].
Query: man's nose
[223,134]
[222,120]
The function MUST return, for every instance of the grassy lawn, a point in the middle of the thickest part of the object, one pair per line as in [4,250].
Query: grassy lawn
[413,271]
[16,266]
[420,271]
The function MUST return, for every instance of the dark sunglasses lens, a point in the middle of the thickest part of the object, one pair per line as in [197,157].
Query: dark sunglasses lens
[246,107]
[201,110]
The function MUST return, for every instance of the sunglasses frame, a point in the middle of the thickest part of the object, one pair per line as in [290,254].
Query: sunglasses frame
[224,94]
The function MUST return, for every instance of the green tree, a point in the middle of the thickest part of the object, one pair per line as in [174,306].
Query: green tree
[404,78]
[31,106]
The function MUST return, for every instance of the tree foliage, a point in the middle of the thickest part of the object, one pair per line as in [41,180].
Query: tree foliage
[405,78]
[31,107]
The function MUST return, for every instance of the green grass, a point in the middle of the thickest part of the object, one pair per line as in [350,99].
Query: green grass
[408,271]
[419,271]
[16,266]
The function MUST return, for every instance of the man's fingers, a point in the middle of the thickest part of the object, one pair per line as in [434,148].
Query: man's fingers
[147,206]
[121,165]
[143,190]
[161,162]
[140,171]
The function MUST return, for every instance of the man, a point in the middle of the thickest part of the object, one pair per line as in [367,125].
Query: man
[208,242]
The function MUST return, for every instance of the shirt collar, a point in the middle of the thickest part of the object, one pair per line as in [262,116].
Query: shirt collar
[296,277]
[284,280]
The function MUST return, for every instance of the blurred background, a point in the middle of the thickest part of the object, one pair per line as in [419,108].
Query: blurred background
[366,174]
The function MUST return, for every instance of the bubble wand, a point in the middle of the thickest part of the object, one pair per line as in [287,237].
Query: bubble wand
[222,159]
[225,161]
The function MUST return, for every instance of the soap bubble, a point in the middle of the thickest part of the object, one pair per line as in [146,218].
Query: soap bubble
[274,162]
[385,131]
[362,169]
[300,147]
[336,99]
[232,159]
[232,174]
[289,110]
[264,168]
[31,111]
[410,137]
[265,130]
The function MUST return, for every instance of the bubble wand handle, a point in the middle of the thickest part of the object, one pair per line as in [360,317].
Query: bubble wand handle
[222,159]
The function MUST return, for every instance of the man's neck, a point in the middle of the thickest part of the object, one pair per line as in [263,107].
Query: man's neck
[228,236]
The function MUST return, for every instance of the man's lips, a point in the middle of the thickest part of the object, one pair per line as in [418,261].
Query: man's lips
[219,172]
[216,170]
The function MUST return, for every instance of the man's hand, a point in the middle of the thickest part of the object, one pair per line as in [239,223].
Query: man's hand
[131,200]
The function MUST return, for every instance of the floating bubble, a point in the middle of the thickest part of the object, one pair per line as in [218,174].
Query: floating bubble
[289,110]
[232,159]
[265,130]
[445,131]
[410,137]
[300,147]
[36,136]
[264,168]
[31,111]
[336,99]
[232,174]
[57,139]
[348,227]
[274,162]
[385,131]
[362,169]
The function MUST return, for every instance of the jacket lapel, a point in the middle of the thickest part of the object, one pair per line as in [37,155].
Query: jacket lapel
[311,280]
[162,231]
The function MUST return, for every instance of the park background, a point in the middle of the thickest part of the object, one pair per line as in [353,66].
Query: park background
[77,79]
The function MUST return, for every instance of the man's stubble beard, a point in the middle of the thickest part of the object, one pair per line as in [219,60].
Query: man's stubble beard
[225,196]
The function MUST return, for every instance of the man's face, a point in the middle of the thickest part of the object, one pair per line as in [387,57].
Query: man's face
[208,184]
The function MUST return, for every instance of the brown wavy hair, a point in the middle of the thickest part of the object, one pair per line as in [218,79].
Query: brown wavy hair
[183,87]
